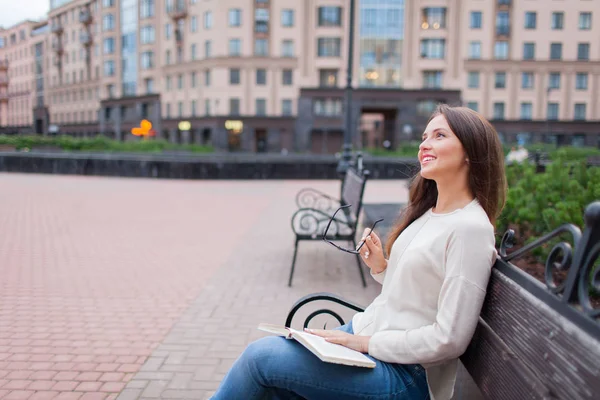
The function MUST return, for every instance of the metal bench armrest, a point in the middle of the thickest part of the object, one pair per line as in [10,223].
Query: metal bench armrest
[312,198]
[310,221]
[317,297]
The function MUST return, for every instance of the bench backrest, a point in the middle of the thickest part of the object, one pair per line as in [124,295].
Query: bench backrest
[531,343]
[353,187]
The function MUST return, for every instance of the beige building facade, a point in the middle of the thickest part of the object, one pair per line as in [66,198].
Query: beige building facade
[264,75]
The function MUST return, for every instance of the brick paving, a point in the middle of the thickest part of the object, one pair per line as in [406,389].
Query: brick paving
[133,288]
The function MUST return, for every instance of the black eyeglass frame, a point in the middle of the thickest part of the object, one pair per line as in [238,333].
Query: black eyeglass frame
[362,243]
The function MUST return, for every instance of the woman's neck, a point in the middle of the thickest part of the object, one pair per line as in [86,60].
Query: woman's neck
[452,196]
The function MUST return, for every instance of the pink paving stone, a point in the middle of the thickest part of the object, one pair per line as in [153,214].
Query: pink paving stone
[114,387]
[66,375]
[18,375]
[93,396]
[65,386]
[88,376]
[41,375]
[88,386]
[41,385]
[16,384]
[18,395]
[129,368]
[45,395]
[112,376]
[107,367]
[68,396]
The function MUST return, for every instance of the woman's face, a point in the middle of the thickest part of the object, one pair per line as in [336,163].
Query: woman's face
[441,154]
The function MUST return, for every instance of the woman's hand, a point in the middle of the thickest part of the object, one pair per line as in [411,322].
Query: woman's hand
[354,342]
[372,252]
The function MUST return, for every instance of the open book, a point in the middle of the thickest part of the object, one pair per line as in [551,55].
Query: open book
[326,351]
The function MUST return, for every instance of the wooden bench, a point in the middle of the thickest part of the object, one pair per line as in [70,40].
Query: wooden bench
[316,208]
[533,341]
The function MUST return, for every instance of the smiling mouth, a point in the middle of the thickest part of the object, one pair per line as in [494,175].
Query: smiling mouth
[427,160]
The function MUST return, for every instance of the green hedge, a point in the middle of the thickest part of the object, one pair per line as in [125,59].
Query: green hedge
[98,143]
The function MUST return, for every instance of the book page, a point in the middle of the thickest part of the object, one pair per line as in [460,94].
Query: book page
[275,329]
[332,352]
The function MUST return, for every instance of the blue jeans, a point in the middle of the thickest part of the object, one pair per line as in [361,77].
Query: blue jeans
[277,368]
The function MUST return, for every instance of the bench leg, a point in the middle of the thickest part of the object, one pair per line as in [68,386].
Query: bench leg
[362,275]
[293,263]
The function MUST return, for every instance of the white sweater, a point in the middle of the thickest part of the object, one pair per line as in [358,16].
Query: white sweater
[433,291]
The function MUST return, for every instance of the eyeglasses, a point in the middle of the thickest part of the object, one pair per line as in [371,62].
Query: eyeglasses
[362,243]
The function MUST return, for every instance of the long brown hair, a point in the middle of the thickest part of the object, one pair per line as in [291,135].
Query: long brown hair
[486,172]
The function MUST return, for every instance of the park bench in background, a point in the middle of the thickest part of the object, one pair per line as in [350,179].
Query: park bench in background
[316,209]
[533,341]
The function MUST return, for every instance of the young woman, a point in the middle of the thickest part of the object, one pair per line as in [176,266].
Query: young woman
[434,282]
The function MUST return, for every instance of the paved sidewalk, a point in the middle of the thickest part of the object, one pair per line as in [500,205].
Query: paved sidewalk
[150,288]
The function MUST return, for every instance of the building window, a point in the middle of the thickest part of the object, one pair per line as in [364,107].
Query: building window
[193,54]
[475,20]
[499,110]
[147,34]
[475,50]
[526,110]
[193,108]
[109,45]
[329,16]
[147,60]
[194,24]
[234,76]
[473,105]
[109,68]
[581,81]
[528,51]
[527,80]
[287,18]
[473,79]
[147,9]
[234,106]
[261,20]
[583,51]
[580,109]
[207,78]
[554,80]
[287,77]
[207,107]
[208,20]
[433,18]
[327,107]
[168,31]
[502,23]
[530,20]
[193,79]
[552,111]
[555,51]
[328,77]
[108,3]
[108,22]
[557,20]
[501,51]
[110,91]
[500,80]
[235,47]
[168,83]
[180,109]
[180,81]
[329,47]
[235,17]
[585,20]
[261,107]
[286,107]
[432,79]
[433,48]
[287,48]
[261,47]
[168,57]
[261,76]
[207,49]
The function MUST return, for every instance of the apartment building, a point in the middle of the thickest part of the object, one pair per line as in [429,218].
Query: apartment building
[263,75]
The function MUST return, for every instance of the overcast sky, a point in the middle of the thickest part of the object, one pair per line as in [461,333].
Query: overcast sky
[14,11]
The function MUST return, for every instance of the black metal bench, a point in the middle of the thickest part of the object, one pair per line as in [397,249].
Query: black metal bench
[533,341]
[316,209]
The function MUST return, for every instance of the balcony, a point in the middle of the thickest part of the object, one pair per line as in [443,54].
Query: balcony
[3,81]
[85,16]
[57,46]
[58,63]
[178,10]
[56,28]
[3,97]
[503,31]
[3,65]
[178,36]
[85,38]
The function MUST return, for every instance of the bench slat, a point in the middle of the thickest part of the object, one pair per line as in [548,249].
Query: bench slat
[556,351]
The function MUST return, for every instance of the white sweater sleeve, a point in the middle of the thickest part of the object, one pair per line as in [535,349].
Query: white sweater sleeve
[379,277]
[470,254]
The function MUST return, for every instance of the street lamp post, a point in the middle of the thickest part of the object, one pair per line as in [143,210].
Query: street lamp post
[346,158]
